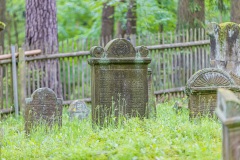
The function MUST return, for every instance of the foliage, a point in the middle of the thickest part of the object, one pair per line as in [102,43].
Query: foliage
[170,136]
[83,18]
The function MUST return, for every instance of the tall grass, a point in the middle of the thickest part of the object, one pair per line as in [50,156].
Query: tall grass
[169,136]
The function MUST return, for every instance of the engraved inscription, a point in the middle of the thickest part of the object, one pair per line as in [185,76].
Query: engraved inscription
[129,84]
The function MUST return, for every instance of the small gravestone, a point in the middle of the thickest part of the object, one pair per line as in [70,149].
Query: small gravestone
[119,81]
[78,109]
[43,108]
[202,88]
[228,111]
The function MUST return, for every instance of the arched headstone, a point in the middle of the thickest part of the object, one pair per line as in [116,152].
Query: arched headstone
[202,87]
[43,108]
[119,80]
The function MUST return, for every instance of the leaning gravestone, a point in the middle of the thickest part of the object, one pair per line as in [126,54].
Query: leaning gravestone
[43,108]
[202,88]
[224,42]
[119,80]
[228,111]
[78,109]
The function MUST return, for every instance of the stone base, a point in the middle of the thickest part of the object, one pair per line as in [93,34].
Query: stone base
[204,103]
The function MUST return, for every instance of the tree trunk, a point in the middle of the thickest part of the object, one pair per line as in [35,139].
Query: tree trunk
[3,19]
[191,14]
[107,23]
[235,11]
[120,29]
[41,30]
[132,22]
[121,26]
[132,18]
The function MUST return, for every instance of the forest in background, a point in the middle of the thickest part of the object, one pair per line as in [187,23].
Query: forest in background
[85,18]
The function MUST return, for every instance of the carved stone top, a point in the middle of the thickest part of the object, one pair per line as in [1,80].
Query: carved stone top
[224,39]
[119,48]
[236,78]
[209,77]
[97,52]
[43,95]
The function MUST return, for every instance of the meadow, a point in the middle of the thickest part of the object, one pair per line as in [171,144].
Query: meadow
[169,136]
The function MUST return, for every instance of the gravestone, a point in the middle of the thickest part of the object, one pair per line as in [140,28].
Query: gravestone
[202,88]
[224,42]
[78,109]
[119,80]
[43,108]
[228,111]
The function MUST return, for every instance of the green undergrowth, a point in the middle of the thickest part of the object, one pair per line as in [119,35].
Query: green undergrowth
[169,136]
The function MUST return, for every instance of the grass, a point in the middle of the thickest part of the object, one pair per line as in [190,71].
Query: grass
[169,136]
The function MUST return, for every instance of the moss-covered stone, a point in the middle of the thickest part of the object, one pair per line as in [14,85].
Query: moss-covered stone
[223,30]
[2,26]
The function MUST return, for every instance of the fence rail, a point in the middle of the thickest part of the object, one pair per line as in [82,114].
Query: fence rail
[172,65]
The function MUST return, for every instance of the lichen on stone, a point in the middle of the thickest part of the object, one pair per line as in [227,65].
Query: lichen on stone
[2,26]
[224,29]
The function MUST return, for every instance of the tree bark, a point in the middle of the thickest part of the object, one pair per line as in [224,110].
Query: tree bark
[235,11]
[107,22]
[191,14]
[121,26]
[132,18]
[41,33]
[3,19]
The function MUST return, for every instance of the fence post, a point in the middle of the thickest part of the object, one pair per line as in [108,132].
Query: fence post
[22,80]
[14,75]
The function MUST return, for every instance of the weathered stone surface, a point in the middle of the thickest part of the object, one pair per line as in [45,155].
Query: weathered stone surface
[119,48]
[119,81]
[224,41]
[78,109]
[151,110]
[43,108]
[228,111]
[202,87]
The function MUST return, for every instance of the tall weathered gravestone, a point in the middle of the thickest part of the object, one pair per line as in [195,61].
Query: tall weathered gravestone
[225,48]
[43,108]
[202,88]
[119,80]
[228,111]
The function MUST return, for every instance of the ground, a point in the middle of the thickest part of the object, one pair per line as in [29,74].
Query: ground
[169,136]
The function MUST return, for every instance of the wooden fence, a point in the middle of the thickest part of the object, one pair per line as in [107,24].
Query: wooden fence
[175,57]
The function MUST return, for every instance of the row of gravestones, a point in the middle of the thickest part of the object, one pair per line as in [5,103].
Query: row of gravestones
[121,86]
[120,82]
[203,87]
[224,72]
